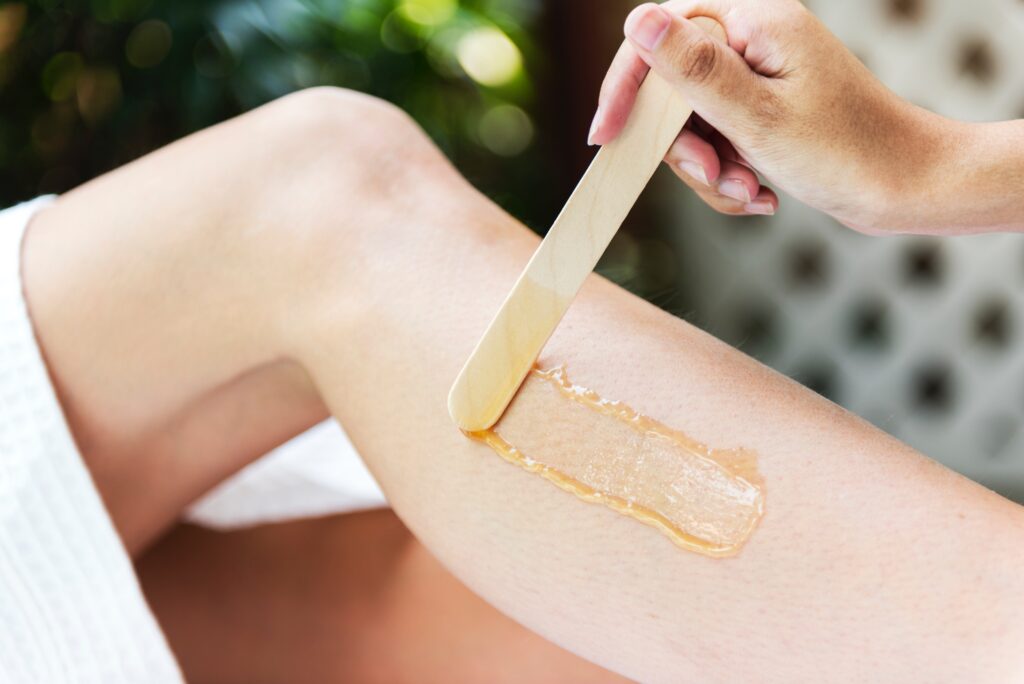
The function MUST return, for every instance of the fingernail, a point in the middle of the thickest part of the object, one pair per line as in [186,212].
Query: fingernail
[695,171]
[647,25]
[761,208]
[735,189]
[595,126]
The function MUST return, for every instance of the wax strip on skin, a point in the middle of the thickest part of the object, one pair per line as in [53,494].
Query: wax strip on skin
[604,452]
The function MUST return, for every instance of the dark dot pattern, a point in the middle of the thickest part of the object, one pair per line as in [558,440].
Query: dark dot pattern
[993,324]
[808,265]
[910,11]
[932,388]
[924,264]
[869,326]
[977,61]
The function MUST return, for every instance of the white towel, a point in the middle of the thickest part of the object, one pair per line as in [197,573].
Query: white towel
[317,473]
[71,609]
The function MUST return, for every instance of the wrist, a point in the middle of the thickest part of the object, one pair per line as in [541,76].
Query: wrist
[898,183]
[917,193]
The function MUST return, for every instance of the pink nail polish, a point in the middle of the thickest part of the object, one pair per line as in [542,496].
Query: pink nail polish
[647,25]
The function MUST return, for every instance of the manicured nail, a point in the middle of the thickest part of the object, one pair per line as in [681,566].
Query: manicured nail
[595,126]
[647,25]
[694,171]
[760,208]
[735,189]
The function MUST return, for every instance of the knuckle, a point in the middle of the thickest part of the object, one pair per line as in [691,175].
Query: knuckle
[698,60]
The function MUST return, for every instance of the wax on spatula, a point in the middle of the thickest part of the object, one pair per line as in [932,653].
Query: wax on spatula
[556,272]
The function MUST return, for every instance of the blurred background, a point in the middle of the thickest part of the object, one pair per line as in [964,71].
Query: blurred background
[920,336]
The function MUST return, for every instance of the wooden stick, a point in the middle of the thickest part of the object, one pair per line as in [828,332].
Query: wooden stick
[569,253]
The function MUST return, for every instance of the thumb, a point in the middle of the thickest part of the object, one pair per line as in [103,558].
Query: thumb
[710,73]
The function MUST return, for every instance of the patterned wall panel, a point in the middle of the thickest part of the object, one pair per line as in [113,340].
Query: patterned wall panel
[924,337]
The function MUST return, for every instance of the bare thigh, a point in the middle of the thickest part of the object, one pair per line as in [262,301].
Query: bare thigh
[352,598]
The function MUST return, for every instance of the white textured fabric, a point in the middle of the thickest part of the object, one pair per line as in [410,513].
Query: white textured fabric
[317,473]
[71,609]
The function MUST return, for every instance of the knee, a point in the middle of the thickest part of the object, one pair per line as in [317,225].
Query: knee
[334,114]
[332,162]
[345,139]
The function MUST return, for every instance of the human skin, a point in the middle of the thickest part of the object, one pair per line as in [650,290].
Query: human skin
[207,302]
[787,100]
[346,598]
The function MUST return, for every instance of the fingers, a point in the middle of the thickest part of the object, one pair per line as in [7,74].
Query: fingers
[765,203]
[715,174]
[696,62]
[694,156]
[738,182]
[625,76]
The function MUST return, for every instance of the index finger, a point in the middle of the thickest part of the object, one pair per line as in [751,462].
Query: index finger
[618,93]
[627,73]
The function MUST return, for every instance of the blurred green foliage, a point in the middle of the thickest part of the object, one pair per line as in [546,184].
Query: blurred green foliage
[87,85]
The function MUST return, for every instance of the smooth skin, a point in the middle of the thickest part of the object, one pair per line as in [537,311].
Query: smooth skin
[346,598]
[787,101]
[209,301]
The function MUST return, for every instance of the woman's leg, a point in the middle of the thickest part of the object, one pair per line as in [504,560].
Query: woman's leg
[351,598]
[323,234]
[160,303]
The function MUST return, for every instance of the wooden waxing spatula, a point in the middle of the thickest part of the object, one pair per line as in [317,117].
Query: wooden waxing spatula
[556,272]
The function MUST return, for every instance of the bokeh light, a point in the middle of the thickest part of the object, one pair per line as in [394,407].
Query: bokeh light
[89,85]
[60,75]
[12,19]
[506,130]
[148,44]
[97,93]
[489,56]
[428,12]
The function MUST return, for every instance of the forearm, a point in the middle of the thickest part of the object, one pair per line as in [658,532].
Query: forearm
[864,540]
[921,173]
[979,186]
